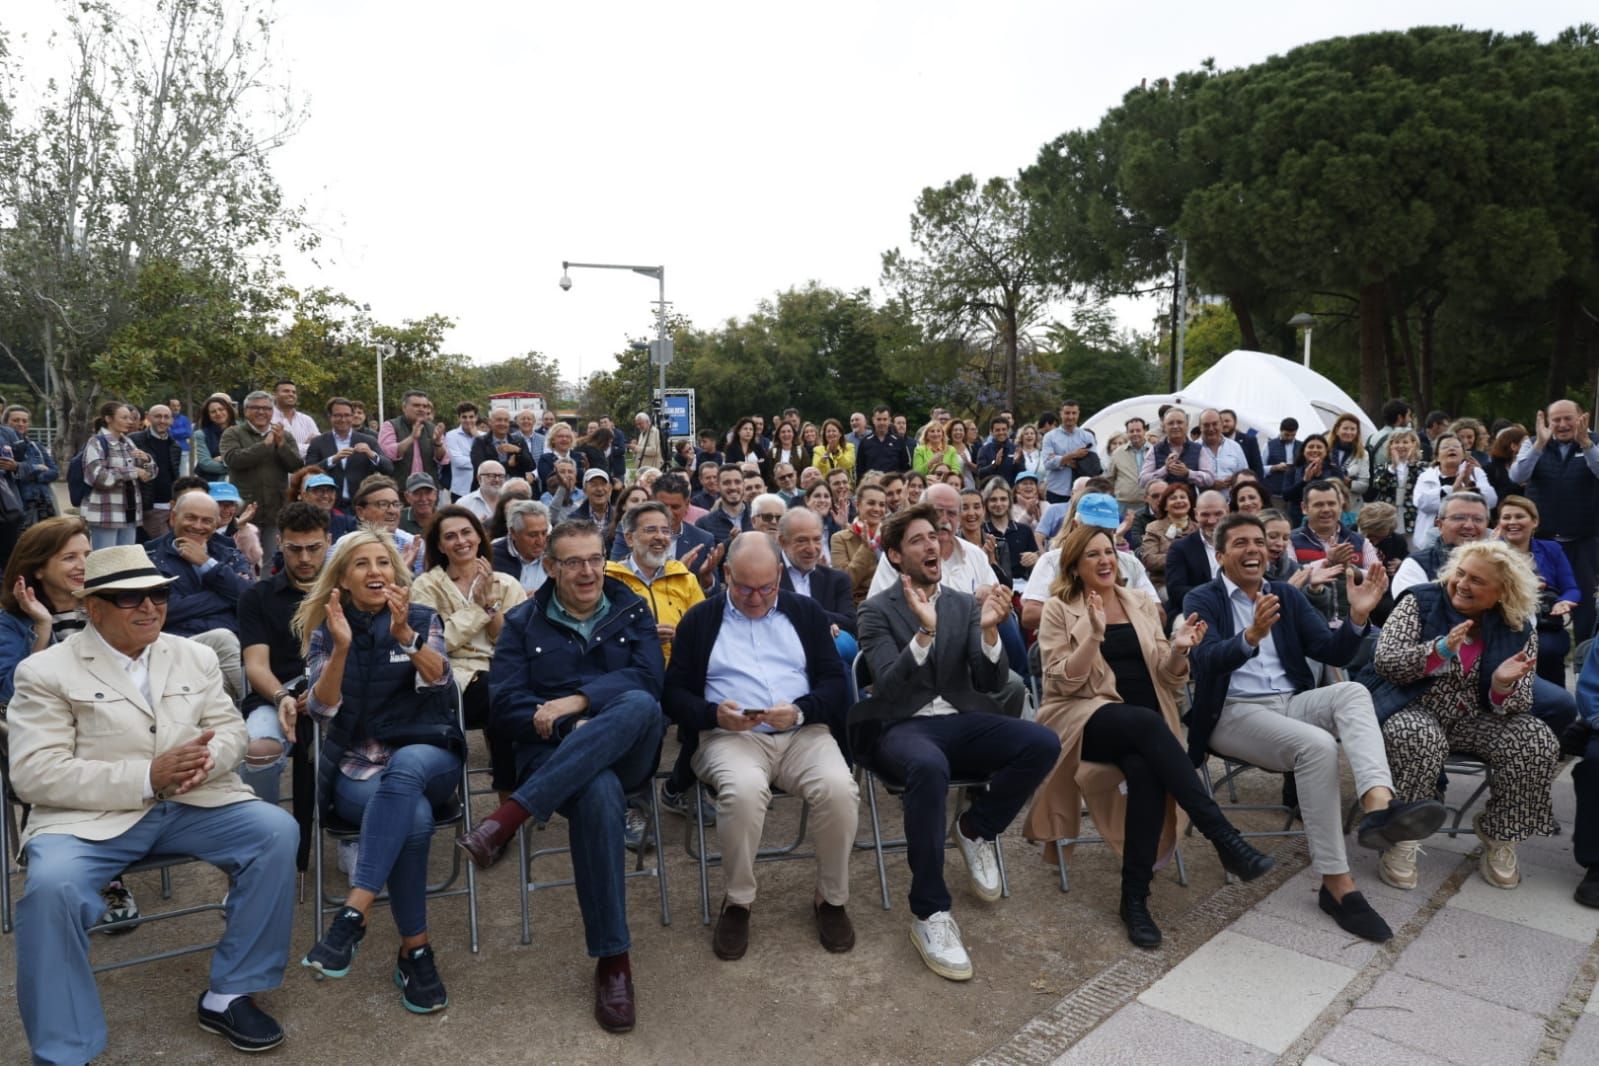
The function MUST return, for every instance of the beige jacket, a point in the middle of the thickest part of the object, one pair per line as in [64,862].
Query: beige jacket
[82,736]
[466,625]
[1069,702]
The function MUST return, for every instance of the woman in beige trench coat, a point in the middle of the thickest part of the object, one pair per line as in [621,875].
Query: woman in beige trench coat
[1110,683]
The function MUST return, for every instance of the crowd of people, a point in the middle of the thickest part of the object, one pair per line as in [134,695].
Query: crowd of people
[1110,618]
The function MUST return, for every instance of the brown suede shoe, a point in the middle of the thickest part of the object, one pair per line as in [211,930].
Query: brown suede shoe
[732,937]
[833,927]
[614,1006]
[486,843]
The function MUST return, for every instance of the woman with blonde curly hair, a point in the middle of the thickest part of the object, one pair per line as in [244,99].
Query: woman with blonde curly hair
[1455,667]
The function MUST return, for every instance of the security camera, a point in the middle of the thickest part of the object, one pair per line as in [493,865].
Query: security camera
[566,283]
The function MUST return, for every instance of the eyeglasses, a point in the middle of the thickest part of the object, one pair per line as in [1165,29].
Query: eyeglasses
[303,549]
[491,477]
[768,517]
[130,598]
[753,590]
[583,562]
[387,505]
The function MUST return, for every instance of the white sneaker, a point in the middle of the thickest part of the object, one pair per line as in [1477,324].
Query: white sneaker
[1498,862]
[1397,867]
[982,862]
[939,940]
[349,854]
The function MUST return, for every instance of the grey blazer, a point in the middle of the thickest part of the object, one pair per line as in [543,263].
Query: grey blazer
[956,667]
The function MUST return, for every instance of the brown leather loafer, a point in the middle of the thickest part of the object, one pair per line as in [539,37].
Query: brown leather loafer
[833,927]
[732,936]
[486,843]
[614,1006]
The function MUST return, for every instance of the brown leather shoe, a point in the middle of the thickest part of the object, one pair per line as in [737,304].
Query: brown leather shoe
[614,1006]
[732,937]
[833,927]
[485,844]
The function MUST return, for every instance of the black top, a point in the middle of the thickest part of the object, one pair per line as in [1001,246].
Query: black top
[1125,657]
[265,611]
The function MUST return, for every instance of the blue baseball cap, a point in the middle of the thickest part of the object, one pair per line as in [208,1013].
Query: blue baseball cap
[224,492]
[319,481]
[1025,475]
[1099,509]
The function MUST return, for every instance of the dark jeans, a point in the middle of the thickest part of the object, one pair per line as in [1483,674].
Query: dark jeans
[1554,704]
[1010,638]
[585,778]
[502,752]
[1552,648]
[1137,742]
[1583,554]
[395,812]
[1585,782]
[924,753]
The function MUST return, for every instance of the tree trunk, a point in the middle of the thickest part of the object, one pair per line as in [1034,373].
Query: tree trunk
[1424,402]
[1407,348]
[1565,341]
[1371,347]
[1246,324]
[1012,357]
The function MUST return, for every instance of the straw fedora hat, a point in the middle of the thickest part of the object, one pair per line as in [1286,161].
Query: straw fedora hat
[119,569]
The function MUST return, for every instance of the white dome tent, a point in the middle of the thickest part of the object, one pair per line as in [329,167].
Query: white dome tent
[1263,389]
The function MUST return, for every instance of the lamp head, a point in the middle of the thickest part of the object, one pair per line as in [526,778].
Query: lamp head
[566,282]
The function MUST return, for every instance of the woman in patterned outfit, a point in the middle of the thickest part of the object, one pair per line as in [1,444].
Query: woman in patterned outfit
[1456,661]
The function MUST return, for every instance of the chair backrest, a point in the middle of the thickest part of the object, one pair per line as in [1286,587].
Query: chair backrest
[863,673]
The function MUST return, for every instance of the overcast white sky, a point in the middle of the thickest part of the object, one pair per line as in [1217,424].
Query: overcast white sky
[456,153]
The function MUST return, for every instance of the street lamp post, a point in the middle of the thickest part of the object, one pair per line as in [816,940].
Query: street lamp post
[1304,320]
[663,346]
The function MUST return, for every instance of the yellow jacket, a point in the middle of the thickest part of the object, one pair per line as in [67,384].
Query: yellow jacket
[669,596]
[843,460]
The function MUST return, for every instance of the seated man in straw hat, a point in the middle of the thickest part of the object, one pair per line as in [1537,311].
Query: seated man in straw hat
[125,745]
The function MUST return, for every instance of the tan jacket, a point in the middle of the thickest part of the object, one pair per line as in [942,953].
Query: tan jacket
[1069,702]
[466,625]
[82,736]
[856,558]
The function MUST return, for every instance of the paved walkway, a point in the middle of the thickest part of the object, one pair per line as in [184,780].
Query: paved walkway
[1473,975]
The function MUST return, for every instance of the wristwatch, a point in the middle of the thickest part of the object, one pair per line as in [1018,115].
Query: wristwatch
[415,646]
[924,631]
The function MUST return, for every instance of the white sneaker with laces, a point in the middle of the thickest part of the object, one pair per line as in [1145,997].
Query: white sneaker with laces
[982,862]
[938,939]
[1498,862]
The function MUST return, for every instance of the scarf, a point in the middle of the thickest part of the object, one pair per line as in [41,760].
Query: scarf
[213,439]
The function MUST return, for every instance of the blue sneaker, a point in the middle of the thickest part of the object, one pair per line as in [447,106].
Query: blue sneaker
[683,805]
[636,830]
[332,955]
[417,978]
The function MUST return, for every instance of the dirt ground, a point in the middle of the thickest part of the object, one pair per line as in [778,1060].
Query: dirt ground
[786,1001]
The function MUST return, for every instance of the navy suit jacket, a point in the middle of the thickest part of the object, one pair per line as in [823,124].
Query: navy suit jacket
[505,560]
[1187,567]
[1251,448]
[1300,631]
[833,591]
[348,473]
[547,466]
[684,700]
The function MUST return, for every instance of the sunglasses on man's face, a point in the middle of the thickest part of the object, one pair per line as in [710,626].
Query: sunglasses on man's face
[128,599]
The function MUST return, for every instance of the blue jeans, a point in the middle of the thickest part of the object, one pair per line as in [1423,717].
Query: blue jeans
[111,536]
[585,777]
[264,778]
[1554,704]
[924,753]
[252,842]
[395,812]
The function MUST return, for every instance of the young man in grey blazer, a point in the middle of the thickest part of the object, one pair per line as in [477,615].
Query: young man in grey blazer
[944,707]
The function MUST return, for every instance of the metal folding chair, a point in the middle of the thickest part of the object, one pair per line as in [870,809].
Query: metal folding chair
[455,813]
[528,886]
[706,859]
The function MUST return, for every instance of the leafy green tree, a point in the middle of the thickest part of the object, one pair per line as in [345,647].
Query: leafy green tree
[1097,364]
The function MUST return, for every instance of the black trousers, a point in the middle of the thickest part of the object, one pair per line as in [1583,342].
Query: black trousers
[502,753]
[1137,742]
[1585,782]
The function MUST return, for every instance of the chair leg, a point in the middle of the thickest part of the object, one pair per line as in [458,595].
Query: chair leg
[1182,870]
[999,859]
[471,868]
[5,866]
[877,836]
[660,851]
[705,879]
[523,876]
[1060,862]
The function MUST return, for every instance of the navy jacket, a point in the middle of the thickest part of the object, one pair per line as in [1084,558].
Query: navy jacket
[832,591]
[201,602]
[505,560]
[685,703]
[1277,482]
[720,526]
[1251,448]
[1566,492]
[537,659]
[996,460]
[546,467]
[350,472]
[1299,632]
[517,464]
[1187,567]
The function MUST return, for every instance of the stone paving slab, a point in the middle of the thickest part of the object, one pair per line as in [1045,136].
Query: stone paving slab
[1223,984]
[1434,1020]
[1582,1048]
[1501,962]
[1542,901]
[1138,1035]
[1348,1046]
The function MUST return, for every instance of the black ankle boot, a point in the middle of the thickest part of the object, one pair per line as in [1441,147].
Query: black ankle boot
[1141,927]
[1238,857]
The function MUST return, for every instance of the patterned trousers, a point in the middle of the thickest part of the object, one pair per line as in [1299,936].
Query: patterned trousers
[1521,753]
